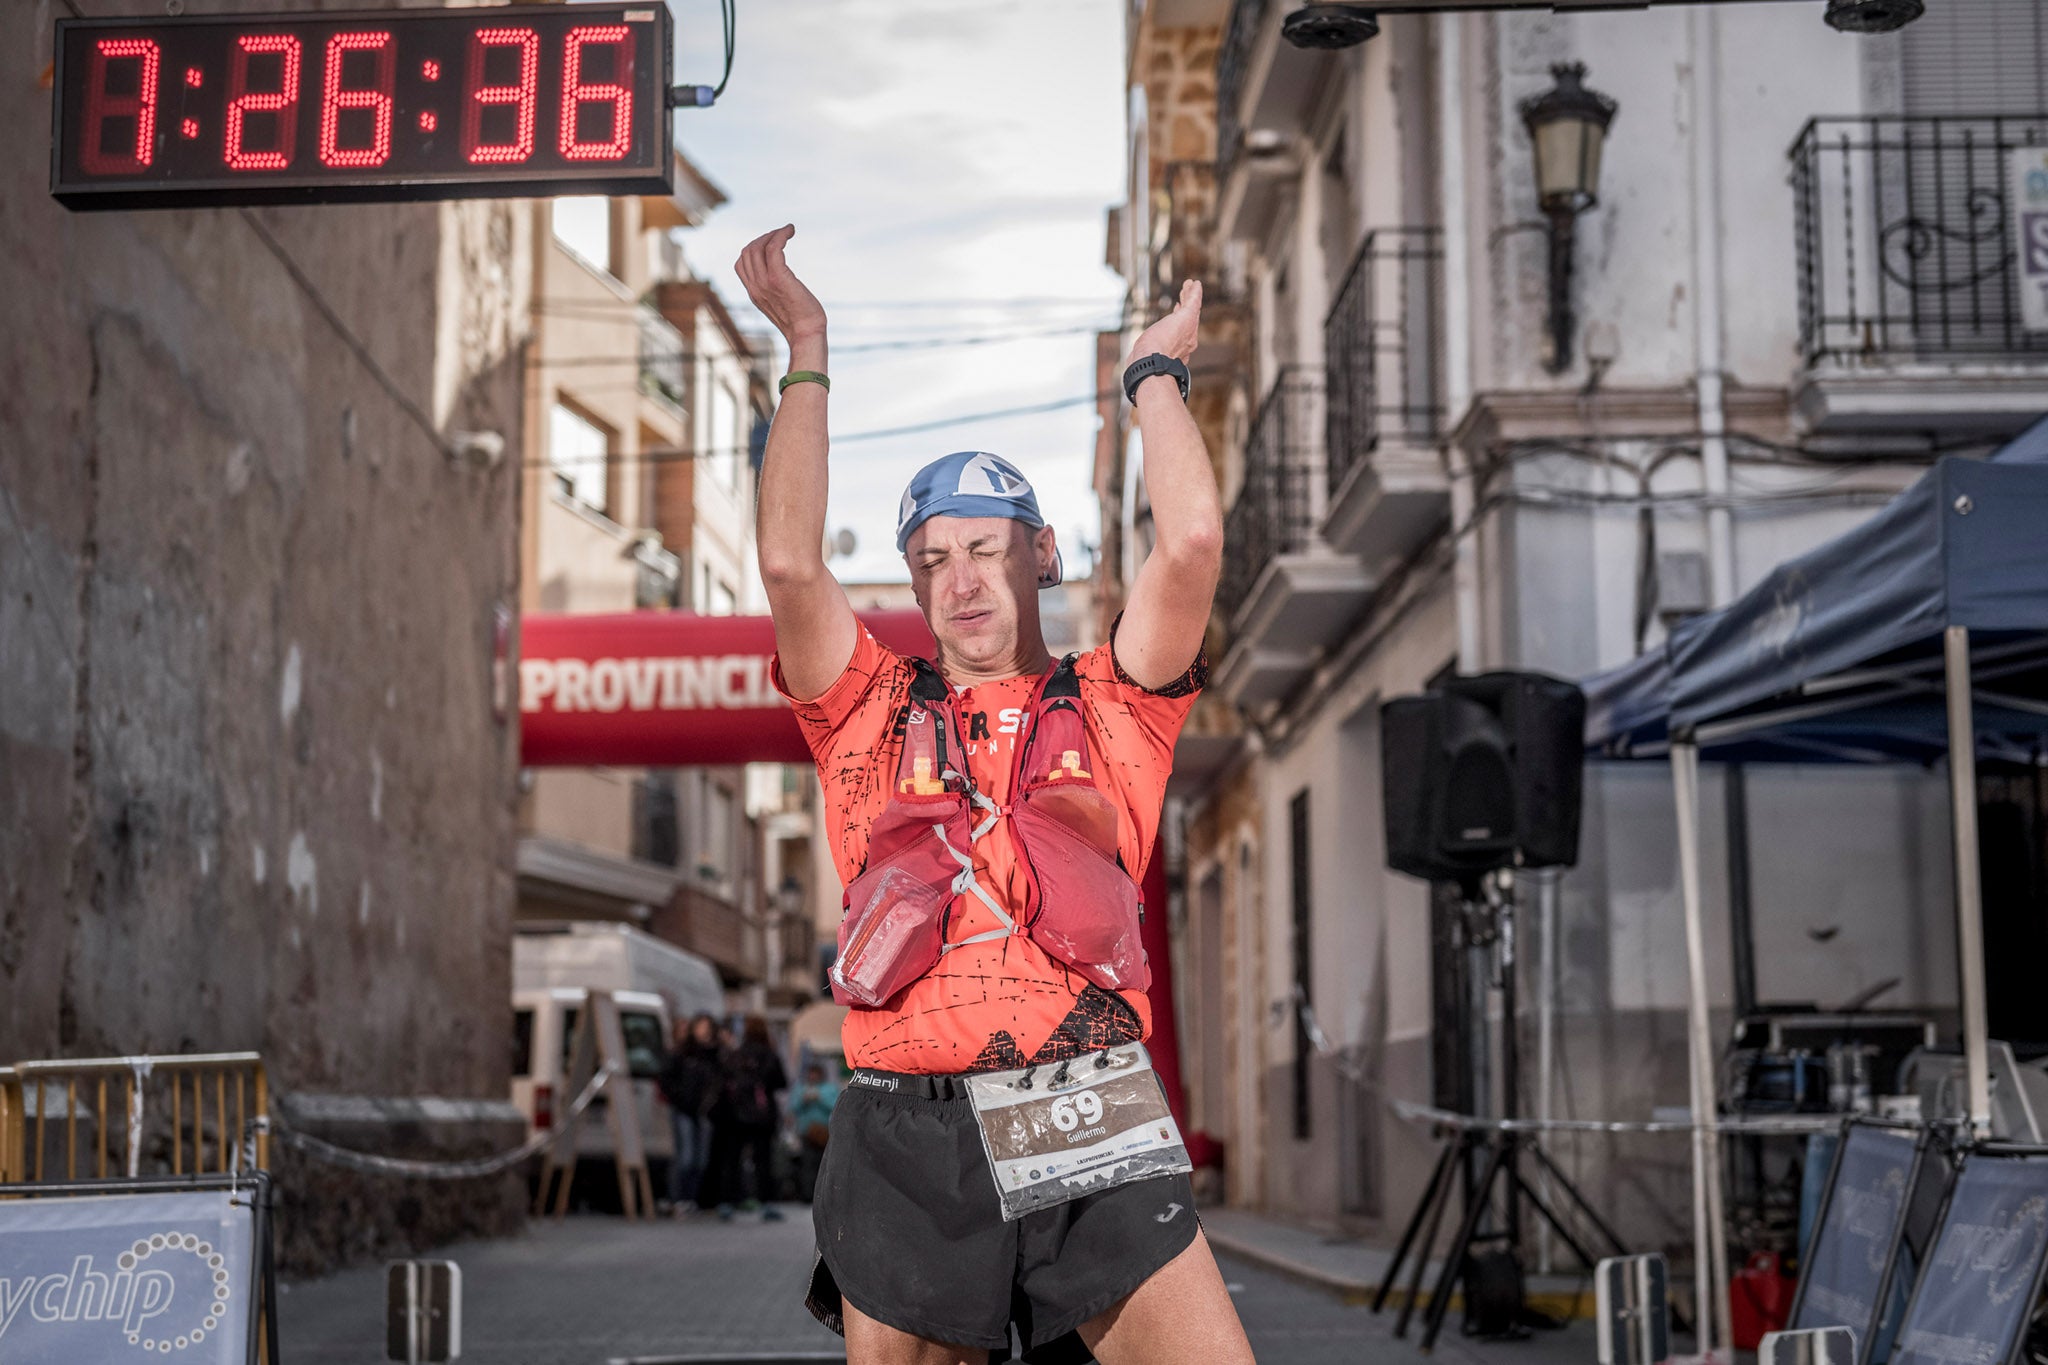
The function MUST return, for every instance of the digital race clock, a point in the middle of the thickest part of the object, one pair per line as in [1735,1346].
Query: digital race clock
[387,104]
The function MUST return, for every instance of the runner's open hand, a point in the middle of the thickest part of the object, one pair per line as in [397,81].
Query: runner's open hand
[1175,333]
[775,289]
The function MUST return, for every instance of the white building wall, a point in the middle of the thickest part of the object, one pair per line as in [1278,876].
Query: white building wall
[1861,893]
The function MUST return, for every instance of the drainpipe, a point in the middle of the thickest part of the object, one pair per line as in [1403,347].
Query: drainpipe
[1311,306]
[1457,328]
[1713,1311]
[1706,258]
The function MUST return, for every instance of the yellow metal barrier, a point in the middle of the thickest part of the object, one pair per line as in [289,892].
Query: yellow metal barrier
[149,1103]
[10,1127]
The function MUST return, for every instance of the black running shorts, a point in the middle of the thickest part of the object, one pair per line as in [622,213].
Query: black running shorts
[911,1233]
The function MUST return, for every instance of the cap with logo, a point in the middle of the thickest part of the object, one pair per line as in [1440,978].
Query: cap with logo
[967,483]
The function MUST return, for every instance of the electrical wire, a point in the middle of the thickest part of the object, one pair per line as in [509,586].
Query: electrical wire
[669,455]
[730,17]
[919,343]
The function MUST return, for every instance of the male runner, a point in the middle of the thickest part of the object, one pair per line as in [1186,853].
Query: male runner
[917,1265]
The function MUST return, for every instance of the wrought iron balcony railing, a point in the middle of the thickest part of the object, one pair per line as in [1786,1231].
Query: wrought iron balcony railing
[661,357]
[1275,510]
[1380,347]
[1233,65]
[1905,238]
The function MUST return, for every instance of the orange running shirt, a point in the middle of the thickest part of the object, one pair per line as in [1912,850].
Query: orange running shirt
[1003,1003]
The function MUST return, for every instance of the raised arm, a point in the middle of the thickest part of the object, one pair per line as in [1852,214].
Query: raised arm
[815,629]
[1169,604]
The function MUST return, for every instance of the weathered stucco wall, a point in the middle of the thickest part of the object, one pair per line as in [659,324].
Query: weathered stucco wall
[253,792]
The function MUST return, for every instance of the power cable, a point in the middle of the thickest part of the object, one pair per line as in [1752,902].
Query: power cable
[919,343]
[667,455]
[1020,301]
[349,339]
[704,96]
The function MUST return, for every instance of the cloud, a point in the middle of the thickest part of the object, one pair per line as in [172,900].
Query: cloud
[926,149]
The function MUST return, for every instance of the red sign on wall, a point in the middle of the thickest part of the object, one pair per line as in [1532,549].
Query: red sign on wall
[650,689]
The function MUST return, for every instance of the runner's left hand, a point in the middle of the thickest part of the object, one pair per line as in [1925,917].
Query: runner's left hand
[1174,334]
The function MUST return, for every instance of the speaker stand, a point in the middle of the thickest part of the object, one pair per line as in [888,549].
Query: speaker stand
[1487,910]
[1500,1149]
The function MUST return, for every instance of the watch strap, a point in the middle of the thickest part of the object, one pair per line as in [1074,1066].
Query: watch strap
[1145,367]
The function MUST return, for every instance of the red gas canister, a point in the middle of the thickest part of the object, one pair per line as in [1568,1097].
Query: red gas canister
[1759,1299]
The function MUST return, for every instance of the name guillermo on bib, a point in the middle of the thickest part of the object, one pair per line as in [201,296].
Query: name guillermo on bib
[1089,1125]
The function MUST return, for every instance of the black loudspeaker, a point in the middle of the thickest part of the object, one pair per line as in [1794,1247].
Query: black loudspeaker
[1483,773]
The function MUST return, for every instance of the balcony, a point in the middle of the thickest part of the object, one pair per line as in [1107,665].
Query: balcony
[799,977]
[712,928]
[1266,93]
[1233,67]
[1387,487]
[662,355]
[1284,593]
[1909,304]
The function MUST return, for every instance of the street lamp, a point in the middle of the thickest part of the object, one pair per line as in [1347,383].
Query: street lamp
[1567,126]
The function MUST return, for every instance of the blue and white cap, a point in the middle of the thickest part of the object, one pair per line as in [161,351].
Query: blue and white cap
[967,483]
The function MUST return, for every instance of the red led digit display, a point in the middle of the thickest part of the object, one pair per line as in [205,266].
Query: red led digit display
[501,102]
[612,100]
[138,60]
[518,97]
[377,100]
[279,106]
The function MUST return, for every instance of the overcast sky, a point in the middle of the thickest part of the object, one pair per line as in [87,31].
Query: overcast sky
[928,151]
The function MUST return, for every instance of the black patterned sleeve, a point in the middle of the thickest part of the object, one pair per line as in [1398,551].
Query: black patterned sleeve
[1186,685]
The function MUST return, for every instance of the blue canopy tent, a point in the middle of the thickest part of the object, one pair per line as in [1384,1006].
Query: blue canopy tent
[1919,637]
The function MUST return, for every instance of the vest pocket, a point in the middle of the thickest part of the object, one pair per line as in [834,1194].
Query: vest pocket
[1087,910]
[892,933]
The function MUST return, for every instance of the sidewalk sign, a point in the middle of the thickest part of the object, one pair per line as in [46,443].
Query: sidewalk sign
[423,1311]
[129,1270]
[600,1041]
[1633,1315]
[1808,1346]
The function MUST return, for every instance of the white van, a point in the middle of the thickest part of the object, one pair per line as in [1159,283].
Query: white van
[554,967]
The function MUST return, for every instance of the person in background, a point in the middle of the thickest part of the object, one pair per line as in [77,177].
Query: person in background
[689,1081]
[754,1078]
[810,1114]
[714,1189]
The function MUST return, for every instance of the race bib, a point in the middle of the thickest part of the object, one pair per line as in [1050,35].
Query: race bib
[1054,1133]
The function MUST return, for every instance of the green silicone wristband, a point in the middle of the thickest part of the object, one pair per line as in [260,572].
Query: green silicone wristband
[803,377]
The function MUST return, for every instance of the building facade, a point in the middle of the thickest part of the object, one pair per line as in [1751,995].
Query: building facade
[258,566]
[1440,453]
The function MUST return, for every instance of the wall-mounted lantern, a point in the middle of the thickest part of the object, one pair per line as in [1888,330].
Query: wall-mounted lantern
[1567,127]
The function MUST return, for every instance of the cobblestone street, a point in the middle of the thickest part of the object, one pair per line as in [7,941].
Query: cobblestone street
[594,1290]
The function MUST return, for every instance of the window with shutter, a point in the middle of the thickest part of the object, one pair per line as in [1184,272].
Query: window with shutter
[1977,57]
[1975,86]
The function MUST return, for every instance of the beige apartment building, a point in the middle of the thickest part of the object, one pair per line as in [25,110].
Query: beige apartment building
[645,406]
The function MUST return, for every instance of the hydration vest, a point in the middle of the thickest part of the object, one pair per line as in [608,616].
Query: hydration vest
[1080,904]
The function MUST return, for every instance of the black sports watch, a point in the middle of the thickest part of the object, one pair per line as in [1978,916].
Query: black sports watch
[1143,369]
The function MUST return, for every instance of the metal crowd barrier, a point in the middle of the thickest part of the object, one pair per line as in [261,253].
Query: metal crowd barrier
[199,1105]
[10,1126]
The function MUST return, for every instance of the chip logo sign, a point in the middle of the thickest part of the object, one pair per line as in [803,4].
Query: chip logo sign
[166,1293]
[126,1277]
[2001,1253]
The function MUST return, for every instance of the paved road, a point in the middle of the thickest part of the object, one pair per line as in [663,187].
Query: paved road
[593,1290]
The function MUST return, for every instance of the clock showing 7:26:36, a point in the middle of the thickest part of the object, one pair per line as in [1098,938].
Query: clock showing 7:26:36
[501,102]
